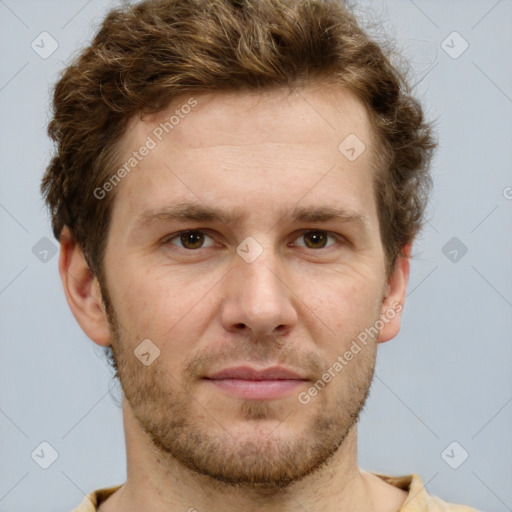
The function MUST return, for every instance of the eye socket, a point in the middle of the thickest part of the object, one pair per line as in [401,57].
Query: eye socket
[196,238]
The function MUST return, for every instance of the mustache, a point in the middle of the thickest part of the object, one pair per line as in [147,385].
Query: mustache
[268,351]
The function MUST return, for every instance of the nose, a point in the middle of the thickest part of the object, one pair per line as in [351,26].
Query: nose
[258,300]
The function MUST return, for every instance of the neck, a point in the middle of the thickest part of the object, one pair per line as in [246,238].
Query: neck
[157,478]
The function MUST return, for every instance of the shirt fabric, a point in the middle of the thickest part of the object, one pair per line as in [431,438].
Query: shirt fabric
[418,500]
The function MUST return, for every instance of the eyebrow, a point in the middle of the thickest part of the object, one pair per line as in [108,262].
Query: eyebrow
[187,211]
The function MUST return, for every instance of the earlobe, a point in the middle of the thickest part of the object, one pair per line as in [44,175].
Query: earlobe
[82,290]
[394,297]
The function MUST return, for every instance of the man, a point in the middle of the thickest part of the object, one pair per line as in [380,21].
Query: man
[236,188]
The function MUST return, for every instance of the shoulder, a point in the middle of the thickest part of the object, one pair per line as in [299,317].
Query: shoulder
[418,499]
[95,498]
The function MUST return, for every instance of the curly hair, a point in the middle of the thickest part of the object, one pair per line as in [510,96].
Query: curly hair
[145,56]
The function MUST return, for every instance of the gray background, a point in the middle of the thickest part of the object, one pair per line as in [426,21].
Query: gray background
[446,377]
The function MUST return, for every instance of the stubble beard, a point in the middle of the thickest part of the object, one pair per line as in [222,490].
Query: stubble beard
[259,458]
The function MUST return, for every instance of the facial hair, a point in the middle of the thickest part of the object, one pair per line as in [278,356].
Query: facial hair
[258,458]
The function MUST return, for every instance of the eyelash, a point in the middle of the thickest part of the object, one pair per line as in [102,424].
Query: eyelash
[341,240]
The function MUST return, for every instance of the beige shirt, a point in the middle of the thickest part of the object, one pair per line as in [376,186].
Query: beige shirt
[418,500]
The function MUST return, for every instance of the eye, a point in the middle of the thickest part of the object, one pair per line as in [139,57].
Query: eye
[192,239]
[317,239]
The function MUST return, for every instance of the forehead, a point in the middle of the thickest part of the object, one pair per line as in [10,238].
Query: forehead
[268,142]
[321,115]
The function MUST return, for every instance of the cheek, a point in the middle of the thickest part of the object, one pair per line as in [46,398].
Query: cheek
[138,301]
[169,309]
[345,309]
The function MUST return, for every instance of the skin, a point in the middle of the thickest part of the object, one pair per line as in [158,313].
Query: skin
[300,304]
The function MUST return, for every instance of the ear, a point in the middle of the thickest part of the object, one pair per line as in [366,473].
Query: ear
[394,298]
[82,290]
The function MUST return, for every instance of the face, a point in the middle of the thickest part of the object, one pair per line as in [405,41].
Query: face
[286,270]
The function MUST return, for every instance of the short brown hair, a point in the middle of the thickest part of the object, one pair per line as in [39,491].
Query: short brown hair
[146,55]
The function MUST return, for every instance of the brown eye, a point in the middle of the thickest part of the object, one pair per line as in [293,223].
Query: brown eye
[315,239]
[192,239]
[189,239]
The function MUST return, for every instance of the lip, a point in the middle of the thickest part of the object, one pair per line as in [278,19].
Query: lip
[248,373]
[252,384]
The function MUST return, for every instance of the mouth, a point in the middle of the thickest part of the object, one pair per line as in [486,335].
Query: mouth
[253,384]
